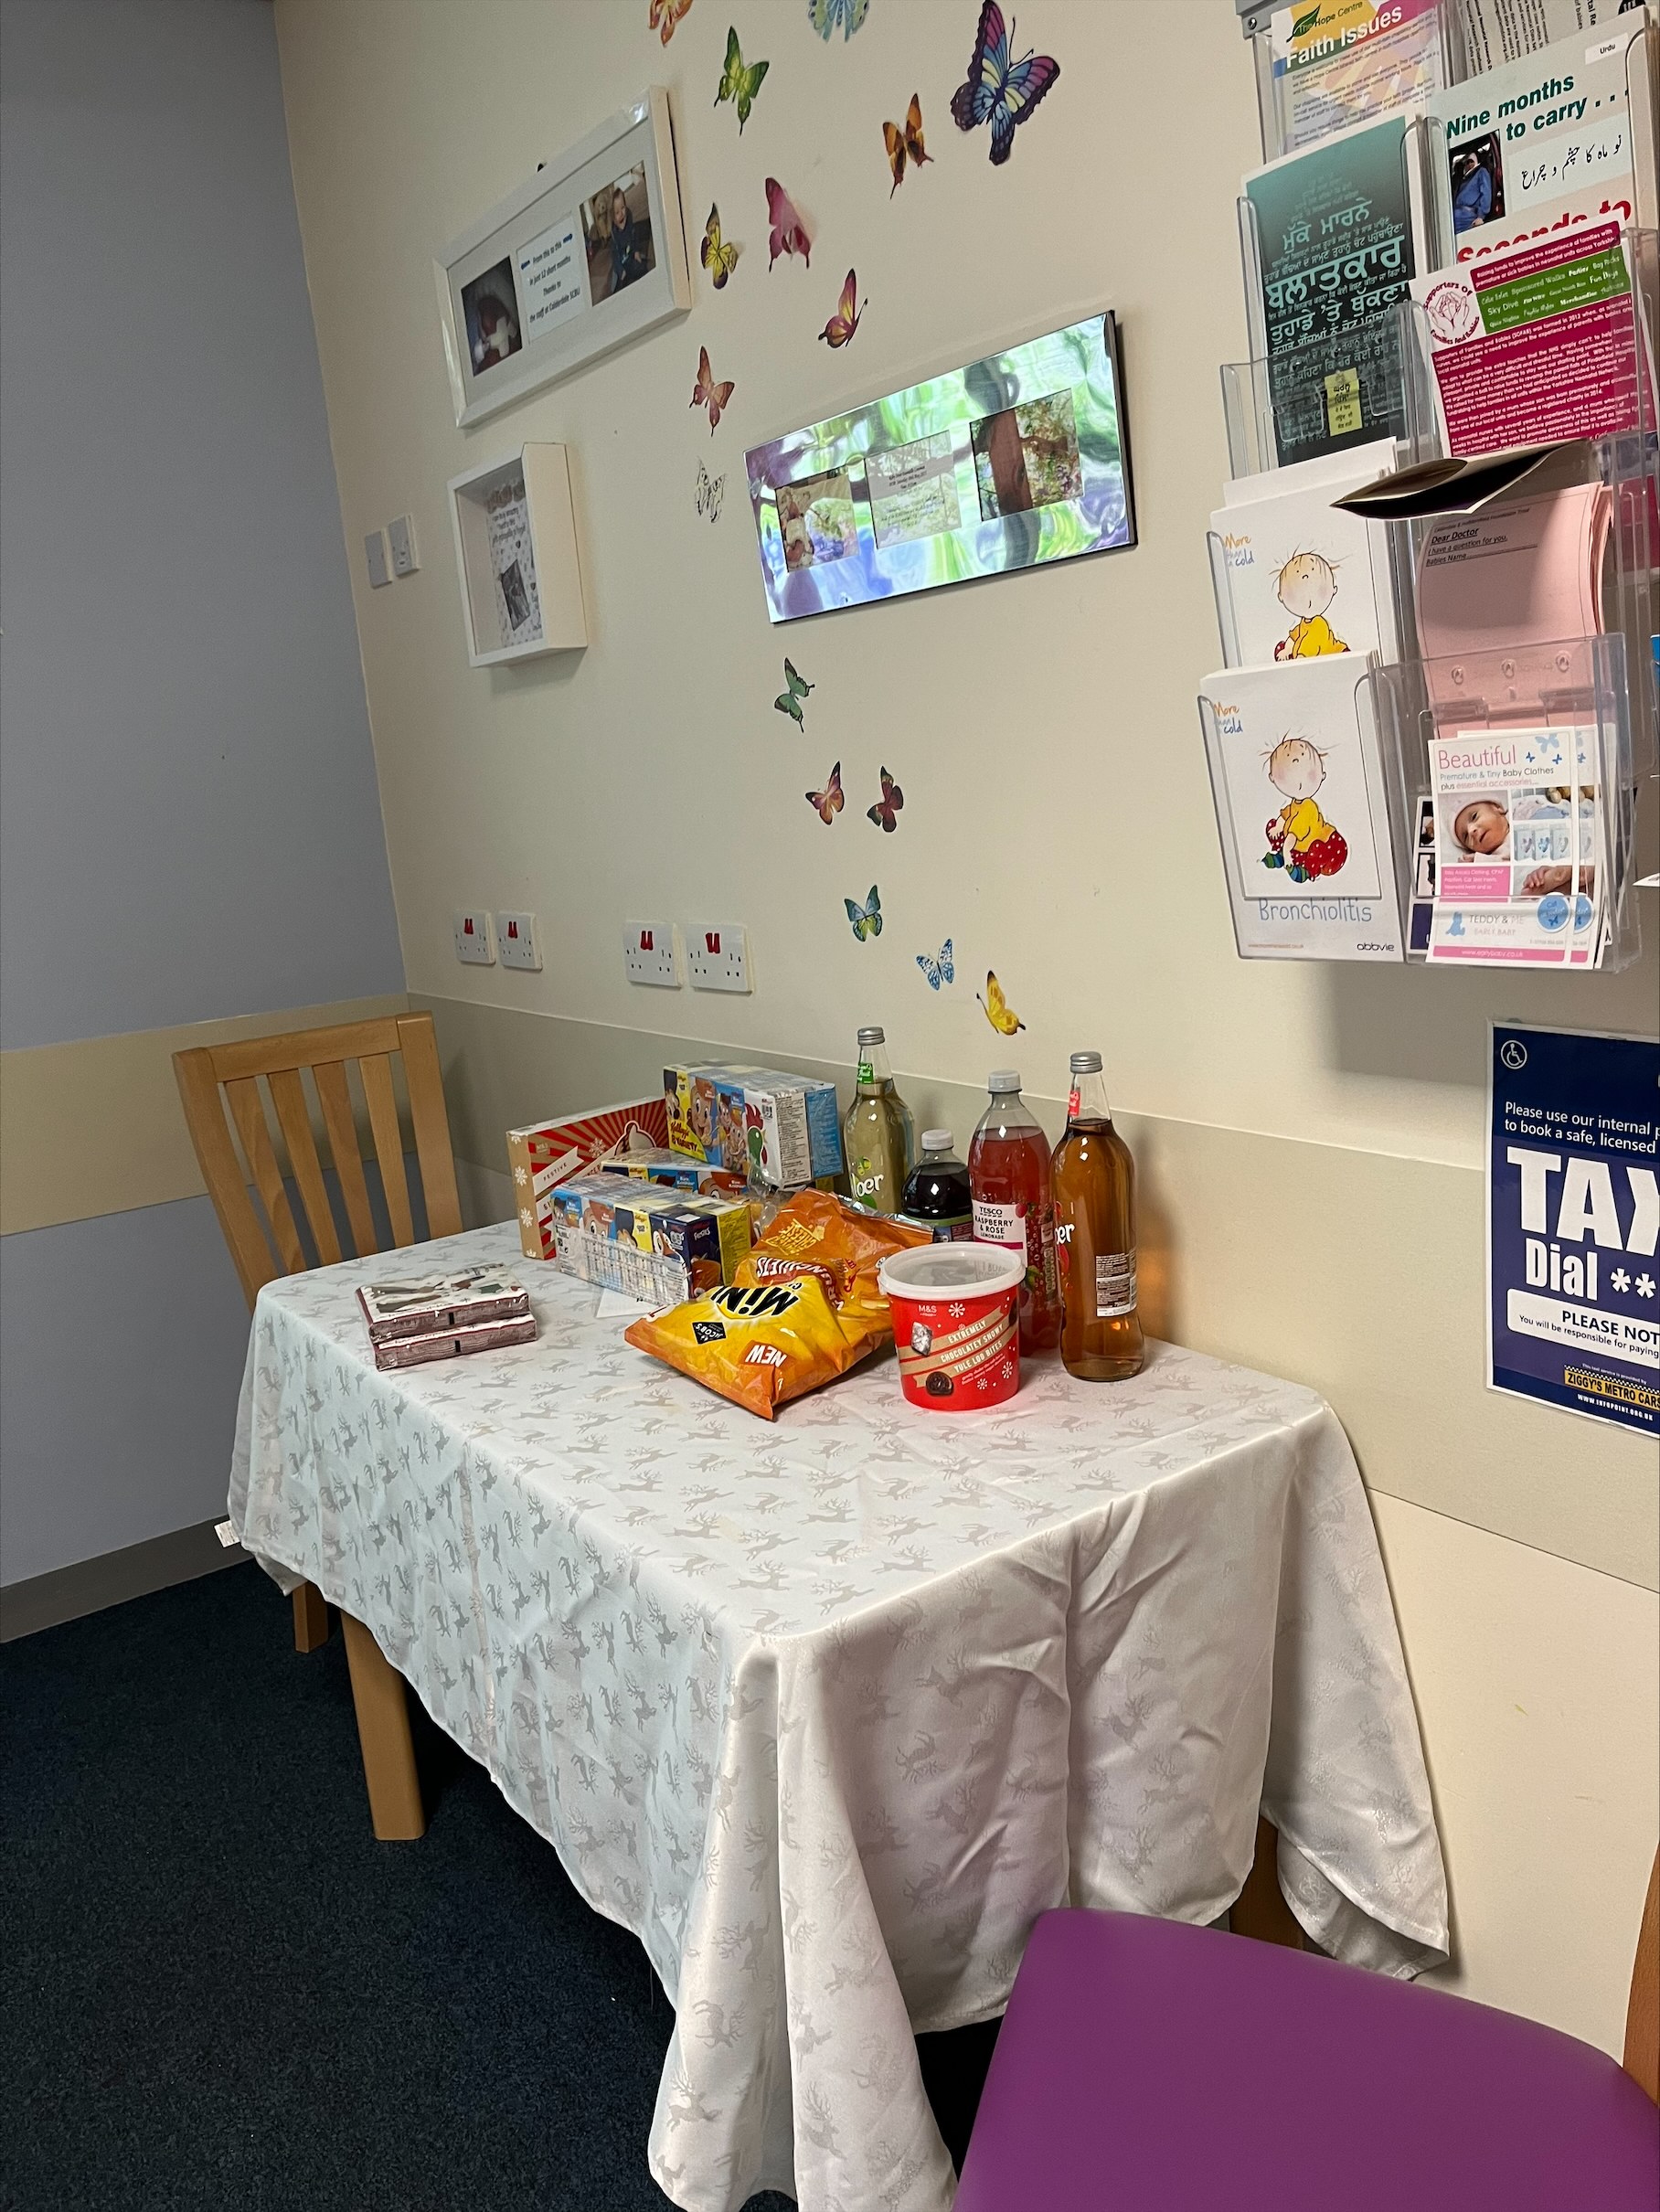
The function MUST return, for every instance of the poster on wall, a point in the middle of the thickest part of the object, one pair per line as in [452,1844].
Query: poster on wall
[587,254]
[1016,460]
[1574,1222]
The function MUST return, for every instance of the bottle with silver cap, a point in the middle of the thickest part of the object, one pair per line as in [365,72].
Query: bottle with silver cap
[879,1139]
[1094,1177]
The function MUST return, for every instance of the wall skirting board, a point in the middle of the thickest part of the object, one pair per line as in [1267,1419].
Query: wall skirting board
[67,1593]
[1382,1314]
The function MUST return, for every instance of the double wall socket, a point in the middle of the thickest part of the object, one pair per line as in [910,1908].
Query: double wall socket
[400,537]
[650,954]
[517,941]
[718,955]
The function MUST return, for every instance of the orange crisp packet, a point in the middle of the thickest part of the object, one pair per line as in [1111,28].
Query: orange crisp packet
[802,1308]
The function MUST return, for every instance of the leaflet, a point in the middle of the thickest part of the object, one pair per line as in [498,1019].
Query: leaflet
[1544,145]
[1337,231]
[1518,845]
[1502,30]
[1536,342]
[1299,791]
[1337,62]
[1302,578]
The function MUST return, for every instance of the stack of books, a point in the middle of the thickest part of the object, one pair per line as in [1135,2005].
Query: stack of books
[441,1316]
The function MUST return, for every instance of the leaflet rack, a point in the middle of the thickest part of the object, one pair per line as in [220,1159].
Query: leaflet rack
[1307,88]
[1310,401]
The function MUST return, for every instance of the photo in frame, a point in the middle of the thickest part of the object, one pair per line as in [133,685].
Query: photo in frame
[1020,459]
[583,257]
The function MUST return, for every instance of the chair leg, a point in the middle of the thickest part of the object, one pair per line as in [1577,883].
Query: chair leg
[311,1618]
[1260,1910]
[383,1731]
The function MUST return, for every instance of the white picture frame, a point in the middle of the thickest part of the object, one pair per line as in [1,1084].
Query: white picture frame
[539,285]
[515,556]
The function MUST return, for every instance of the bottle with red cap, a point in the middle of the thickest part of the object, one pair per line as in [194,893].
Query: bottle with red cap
[1008,1174]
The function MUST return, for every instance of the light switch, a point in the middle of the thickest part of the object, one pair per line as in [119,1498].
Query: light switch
[516,940]
[475,942]
[374,552]
[402,535]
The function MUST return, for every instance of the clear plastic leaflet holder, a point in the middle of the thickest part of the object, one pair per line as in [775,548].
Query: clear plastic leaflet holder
[1351,82]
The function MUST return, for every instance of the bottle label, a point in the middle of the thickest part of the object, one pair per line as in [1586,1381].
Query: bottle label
[868,1181]
[1072,1103]
[1114,1284]
[867,1072]
[998,1224]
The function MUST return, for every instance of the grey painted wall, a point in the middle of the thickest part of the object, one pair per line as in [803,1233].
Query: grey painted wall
[189,824]
[122,1343]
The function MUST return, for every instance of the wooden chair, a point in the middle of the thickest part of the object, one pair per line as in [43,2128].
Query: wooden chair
[220,1087]
[1158,2067]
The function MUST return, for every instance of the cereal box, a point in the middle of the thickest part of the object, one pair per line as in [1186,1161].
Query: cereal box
[780,1129]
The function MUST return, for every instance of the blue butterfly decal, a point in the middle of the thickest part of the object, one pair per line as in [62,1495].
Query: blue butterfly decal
[825,14]
[999,90]
[867,920]
[940,971]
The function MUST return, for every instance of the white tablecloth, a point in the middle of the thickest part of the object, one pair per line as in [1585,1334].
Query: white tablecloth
[827,1712]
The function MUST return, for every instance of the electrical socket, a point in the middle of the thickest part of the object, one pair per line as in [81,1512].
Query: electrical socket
[650,955]
[718,956]
[474,937]
[374,553]
[517,941]
[400,535]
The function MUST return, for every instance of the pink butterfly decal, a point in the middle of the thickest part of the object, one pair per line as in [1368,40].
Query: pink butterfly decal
[789,233]
[666,14]
[827,804]
[888,807]
[841,324]
[706,392]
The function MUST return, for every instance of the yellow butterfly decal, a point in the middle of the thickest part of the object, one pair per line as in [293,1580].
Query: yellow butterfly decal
[902,139]
[999,1012]
[718,258]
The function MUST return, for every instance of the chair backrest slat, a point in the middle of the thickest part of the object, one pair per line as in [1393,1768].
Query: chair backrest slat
[293,1118]
[1642,2059]
[376,1069]
[213,1079]
[424,1081]
[248,1112]
[341,1124]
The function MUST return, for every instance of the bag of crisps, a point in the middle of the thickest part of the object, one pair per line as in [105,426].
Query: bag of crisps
[802,1308]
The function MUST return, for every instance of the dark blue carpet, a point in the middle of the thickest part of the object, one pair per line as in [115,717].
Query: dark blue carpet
[221,1992]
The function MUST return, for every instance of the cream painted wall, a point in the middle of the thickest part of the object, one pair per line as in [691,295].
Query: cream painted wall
[1058,823]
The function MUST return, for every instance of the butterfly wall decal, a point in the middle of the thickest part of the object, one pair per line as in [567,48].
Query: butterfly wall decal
[841,324]
[739,82]
[940,971]
[999,1012]
[716,256]
[825,14]
[788,233]
[706,392]
[998,91]
[906,138]
[789,699]
[666,14]
[712,490]
[867,920]
[827,804]
[887,808]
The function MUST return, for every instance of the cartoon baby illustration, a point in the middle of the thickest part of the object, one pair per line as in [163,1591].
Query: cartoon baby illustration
[1307,587]
[1300,838]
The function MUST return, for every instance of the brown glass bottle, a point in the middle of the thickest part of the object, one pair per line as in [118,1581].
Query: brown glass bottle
[1101,1337]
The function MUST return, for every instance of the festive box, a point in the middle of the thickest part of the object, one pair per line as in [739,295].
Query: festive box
[548,1154]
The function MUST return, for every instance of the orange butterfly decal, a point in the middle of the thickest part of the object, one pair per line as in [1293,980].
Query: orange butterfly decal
[827,804]
[888,806]
[666,14]
[841,324]
[908,140]
[706,392]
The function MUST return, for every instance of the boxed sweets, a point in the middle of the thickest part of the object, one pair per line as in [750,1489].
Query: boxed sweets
[656,1165]
[548,1154]
[780,1130]
[451,1344]
[429,1305]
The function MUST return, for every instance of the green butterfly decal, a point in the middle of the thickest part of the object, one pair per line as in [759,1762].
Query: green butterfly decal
[788,702]
[867,920]
[739,82]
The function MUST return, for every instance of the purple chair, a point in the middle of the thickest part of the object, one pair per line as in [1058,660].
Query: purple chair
[1146,2065]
